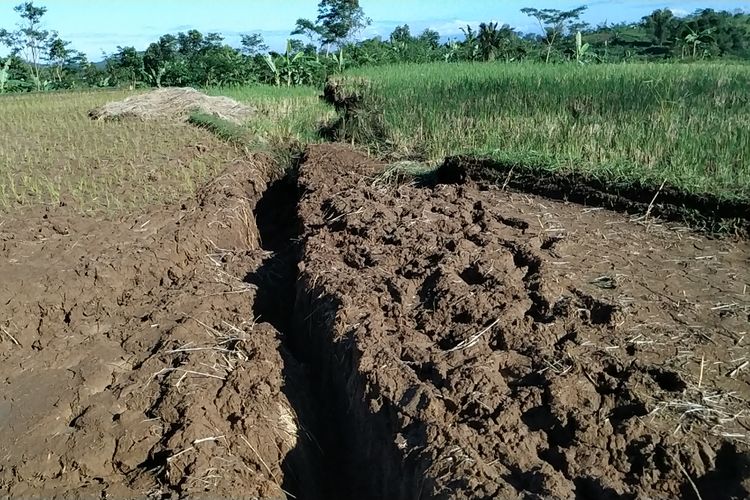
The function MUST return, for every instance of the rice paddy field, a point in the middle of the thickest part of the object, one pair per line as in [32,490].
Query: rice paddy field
[202,306]
[686,124]
[53,152]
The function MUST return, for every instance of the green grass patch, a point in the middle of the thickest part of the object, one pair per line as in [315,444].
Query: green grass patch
[287,119]
[224,129]
[284,114]
[688,125]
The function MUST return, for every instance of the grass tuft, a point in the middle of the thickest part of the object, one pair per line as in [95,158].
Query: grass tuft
[222,128]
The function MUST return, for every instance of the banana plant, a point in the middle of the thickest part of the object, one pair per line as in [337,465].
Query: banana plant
[697,39]
[339,59]
[285,66]
[581,48]
[274,69]
[4,75]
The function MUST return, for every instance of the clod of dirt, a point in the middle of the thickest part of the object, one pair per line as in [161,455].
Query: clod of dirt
[469,350]
[175,104]
[345,92]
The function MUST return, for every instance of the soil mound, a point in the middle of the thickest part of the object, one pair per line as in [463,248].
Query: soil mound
[703,212]
[174,104]
[484,344]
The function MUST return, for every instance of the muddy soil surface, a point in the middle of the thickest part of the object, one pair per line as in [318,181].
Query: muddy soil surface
[328,335]
[135,359]
[700,212]
[484,344]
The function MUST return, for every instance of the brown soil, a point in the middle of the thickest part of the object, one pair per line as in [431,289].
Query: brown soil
[133,361]
[496,345]
[702,212]
[328,336]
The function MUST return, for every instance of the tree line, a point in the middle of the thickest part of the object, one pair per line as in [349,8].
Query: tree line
[40,59]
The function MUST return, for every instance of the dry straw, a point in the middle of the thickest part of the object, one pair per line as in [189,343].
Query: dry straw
[174,104]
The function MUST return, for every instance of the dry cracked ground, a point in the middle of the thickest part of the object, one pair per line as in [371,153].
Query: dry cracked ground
[326,334]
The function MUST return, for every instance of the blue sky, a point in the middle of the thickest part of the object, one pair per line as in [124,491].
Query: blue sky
[100,26]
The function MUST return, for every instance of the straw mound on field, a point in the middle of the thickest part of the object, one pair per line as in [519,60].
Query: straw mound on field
[173,103]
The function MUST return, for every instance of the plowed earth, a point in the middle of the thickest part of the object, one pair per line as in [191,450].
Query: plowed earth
[132,364]
[327,335]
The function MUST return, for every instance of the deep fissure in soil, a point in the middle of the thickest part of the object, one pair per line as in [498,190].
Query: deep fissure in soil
[317,467]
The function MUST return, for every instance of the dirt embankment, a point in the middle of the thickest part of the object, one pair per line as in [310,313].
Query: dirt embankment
[704,212]
[495,345]
[326,336]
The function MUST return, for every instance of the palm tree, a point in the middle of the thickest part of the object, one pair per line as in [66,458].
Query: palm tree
[470,43]
[489,40]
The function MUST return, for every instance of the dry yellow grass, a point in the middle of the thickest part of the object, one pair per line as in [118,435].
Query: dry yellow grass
[174,103]
[53,152]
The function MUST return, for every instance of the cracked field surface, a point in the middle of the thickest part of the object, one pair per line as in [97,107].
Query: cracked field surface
[326,335]
[517,346]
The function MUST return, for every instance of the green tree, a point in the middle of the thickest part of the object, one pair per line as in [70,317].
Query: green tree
[555,24]
[253,44]
[719,33]
[308,29]
[494,40]
[29,39]
[159,56]
[469,49]
[430,37]
[15,75]
[128,61]
[58,54]
[661,24]
[415,49]
[490,40]
[337,22]
[218,65]
[401,34]
[190,43]
[341,19]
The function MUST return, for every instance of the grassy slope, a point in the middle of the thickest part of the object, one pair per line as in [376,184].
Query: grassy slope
[686,124]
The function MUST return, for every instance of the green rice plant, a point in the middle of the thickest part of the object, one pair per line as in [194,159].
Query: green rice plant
[224,129]
[688,125]
[404,172]
[285,115]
